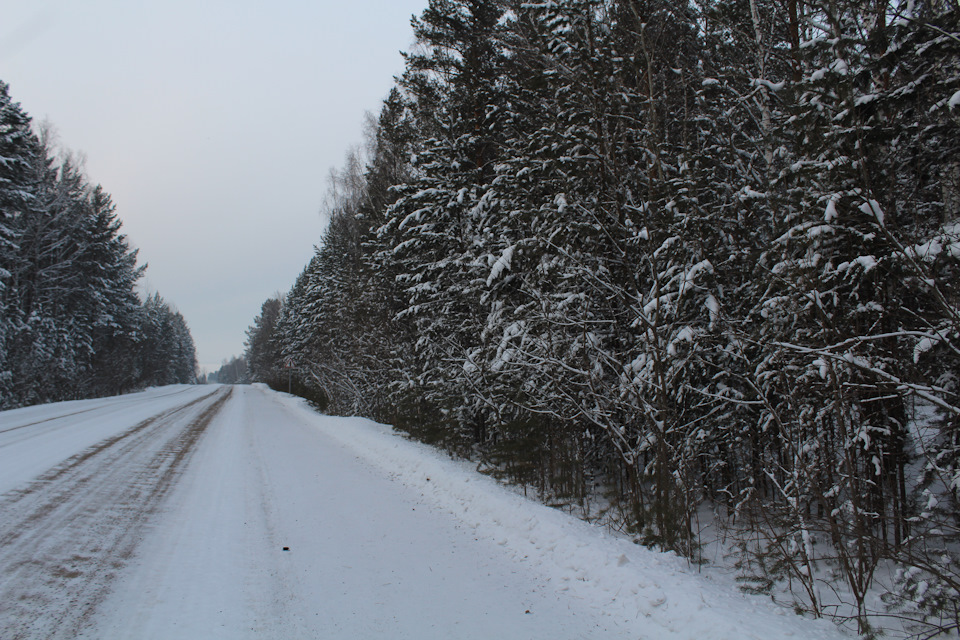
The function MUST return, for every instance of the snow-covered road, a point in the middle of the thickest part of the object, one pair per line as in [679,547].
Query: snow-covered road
[66,533]
[219,512]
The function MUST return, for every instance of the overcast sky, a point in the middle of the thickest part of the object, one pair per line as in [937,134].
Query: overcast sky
[214,125]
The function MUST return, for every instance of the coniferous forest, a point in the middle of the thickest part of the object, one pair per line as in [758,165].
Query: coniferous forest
[688,267]
[71,322]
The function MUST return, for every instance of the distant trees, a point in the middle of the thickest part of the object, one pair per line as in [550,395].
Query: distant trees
[71,323]
[232,371]
[692,255]
[166,350]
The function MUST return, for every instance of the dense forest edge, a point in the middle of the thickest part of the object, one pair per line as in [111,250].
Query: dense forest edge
[72,324]
[686,268]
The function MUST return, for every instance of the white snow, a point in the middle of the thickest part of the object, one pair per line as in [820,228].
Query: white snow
[37,438]
[772,86]
[501,264]
[872,208]
[685,334]
[954,100]
[748,193]
[690,276]
[713,307]
[867,263]
[561,202]
[927,343]
[947,240]
[415,217]
[830,213]
[644,593]
[387,538]
[818,230]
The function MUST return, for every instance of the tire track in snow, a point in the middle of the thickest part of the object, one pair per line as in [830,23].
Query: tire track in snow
[77,413]
[66,535]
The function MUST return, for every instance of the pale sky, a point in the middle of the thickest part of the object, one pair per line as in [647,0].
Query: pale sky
[213,124]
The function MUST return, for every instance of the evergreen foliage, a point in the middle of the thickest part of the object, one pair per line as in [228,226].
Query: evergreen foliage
[232,371]
[682,255]
[264,363]
[71,323]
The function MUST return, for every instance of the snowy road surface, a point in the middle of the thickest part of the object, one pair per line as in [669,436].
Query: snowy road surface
[237,512]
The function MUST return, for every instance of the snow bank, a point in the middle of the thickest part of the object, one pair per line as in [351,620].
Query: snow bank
[659,595]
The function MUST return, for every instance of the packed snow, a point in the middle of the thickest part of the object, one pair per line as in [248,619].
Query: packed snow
[35,439]
[284,523]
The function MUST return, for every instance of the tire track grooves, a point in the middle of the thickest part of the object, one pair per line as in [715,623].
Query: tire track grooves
[50,496]
[104,443]
[78,525]
[70,415]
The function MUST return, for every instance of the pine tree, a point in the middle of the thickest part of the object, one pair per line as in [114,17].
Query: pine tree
[71,323]
[263,355]
[113,265]
[19,149]
[431,230]
[166,351]
[697,253]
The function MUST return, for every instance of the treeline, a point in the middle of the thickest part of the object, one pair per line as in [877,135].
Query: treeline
[71,323]
[232,371]
[669,259]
